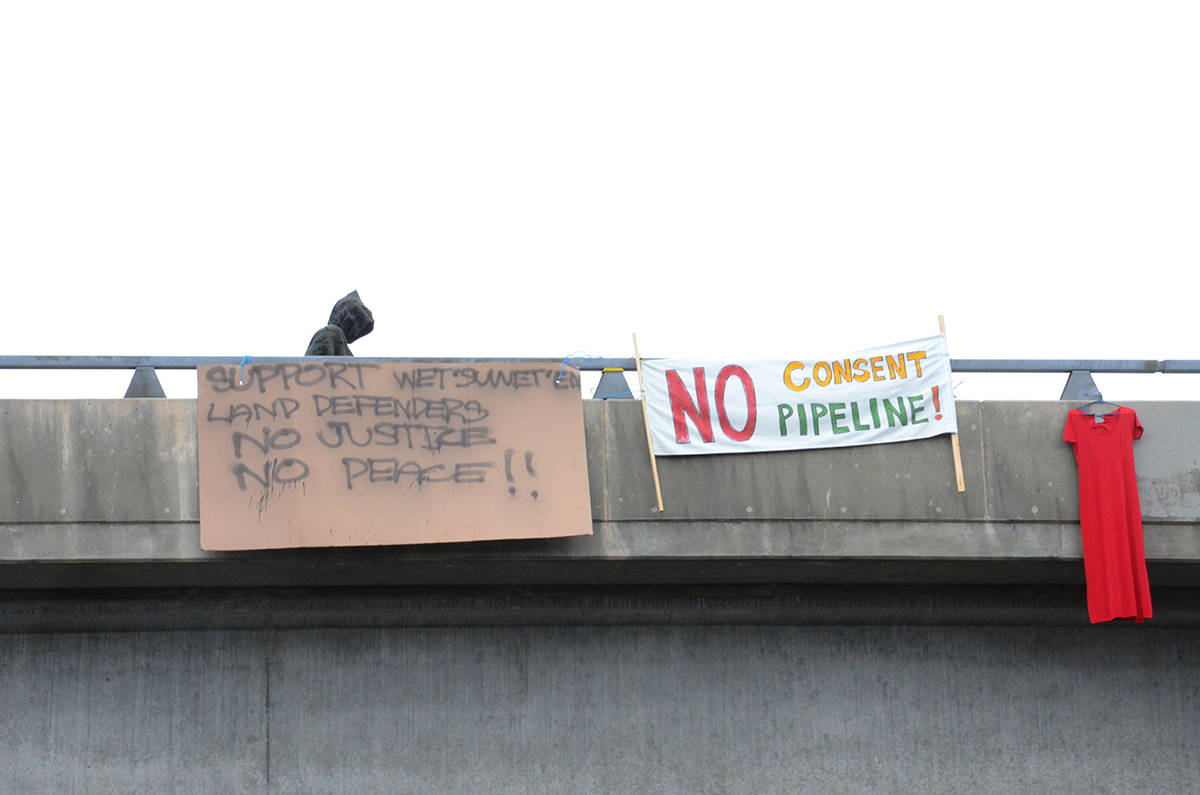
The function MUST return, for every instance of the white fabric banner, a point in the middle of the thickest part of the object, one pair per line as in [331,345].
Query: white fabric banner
[889,394]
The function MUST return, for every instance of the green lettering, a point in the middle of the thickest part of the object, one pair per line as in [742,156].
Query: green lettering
[912,403]
[875,411]
[817,415]
[837,412]
[858,426]
[783,417]
[896,412]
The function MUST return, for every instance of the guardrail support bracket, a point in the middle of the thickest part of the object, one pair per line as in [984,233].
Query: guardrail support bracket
[1080,386]
[145,384]
[612,385]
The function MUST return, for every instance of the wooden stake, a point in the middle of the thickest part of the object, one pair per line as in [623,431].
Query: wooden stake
[954,447]
[637,358]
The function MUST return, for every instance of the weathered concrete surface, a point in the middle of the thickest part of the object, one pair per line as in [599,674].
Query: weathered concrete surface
[103,493]
[612,709]
[689,651]
[98,461]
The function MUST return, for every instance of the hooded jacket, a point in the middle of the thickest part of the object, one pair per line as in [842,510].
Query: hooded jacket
[350,320]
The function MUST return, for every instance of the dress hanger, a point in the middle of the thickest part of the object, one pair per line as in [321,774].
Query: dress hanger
[1099,401]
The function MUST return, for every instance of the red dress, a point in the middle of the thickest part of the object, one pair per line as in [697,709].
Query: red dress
[1110,515]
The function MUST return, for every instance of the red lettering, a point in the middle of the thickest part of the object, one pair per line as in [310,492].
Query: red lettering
[751,406]
[683,406]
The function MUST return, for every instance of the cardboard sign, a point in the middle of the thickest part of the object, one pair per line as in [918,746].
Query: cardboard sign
[894,393]
[315,454]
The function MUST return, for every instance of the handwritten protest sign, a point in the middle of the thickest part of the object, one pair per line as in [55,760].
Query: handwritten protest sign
[318,453]
[888,394]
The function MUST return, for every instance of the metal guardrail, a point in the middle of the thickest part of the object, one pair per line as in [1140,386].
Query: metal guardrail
[192,362]
[583,363]
[612,383]
[1073,365]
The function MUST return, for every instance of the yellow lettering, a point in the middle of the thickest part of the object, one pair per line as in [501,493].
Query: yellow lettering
[787,377]
[861,373]
[842,372]
[877,368]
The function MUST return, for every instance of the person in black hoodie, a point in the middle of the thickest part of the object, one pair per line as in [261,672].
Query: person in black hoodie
[350,320]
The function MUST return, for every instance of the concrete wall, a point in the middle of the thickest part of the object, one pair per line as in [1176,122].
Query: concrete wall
[624,709]
[103,493]
[828,621]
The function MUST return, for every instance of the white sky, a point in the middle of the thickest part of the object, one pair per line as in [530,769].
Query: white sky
[744,180]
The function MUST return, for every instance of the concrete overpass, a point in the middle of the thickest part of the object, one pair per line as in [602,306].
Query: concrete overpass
[833,620]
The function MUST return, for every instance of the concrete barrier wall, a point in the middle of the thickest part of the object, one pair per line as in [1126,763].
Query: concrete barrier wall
[103,493]
[626,709]
[828,621]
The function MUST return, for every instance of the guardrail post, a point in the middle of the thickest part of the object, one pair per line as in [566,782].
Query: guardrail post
[612,385]
[145,384]
[1080,386]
